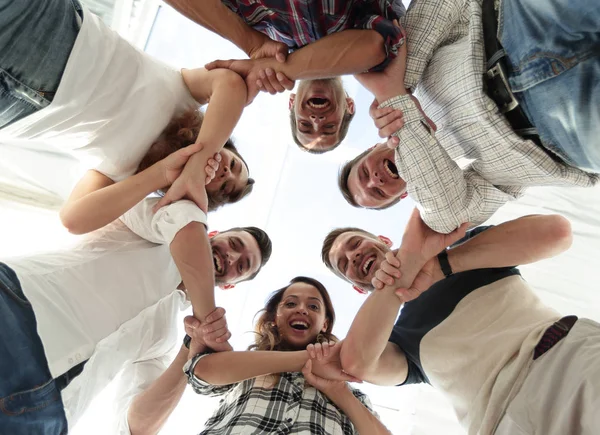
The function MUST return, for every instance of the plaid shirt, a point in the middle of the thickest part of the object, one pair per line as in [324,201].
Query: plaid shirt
[474,163]
[299,22]
[266,405]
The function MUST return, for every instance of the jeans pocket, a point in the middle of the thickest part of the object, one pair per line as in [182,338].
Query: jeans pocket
[32,400]
[10,285]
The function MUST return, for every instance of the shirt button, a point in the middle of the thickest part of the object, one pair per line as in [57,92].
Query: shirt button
[289,420]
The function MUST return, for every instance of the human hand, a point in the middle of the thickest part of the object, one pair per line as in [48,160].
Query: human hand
[213,333]
[270,48]
[259,74]
[388,272]
[326,386]
[172,165]
[326,362]
[424,279]
[191,183]
[212,167]
[387,119]
[420,244]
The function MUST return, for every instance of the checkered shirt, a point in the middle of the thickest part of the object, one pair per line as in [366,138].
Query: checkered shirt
[300,22]
[474,163]
[266,405]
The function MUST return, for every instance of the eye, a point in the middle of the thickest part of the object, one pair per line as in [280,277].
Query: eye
[290,304]
[232,164]
[365,172]
[329,126]
[304,124]
[314,307]
[241,268]
[380,193]
[224,186]
[357,243]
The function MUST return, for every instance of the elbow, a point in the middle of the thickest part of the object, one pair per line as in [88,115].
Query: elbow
[71,223]
[207,371]
[559,231]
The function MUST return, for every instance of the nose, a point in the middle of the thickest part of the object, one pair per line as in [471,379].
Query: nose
[353,256]
[301,309]
[232,257]
[316,120]
[224,172]
[375,180]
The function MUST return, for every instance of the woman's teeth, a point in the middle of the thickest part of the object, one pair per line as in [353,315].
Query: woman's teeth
[298,324]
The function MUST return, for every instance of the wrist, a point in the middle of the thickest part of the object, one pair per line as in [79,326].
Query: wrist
[386,94]
[155,177]
[339,393]
[252,41]
[437,274]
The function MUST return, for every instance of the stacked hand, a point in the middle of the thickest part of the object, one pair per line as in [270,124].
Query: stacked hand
[212,334]
[411,270]
[259,74]
[323,370]
[185,179]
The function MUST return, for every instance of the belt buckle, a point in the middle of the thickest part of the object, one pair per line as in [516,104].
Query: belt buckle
[498,71]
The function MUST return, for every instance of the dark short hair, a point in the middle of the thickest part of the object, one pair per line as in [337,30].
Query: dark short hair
[344,126]
[330,240]
[264,245]
[343,182]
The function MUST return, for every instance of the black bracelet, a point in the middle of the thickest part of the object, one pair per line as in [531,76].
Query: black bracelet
[444,263]
[187,340]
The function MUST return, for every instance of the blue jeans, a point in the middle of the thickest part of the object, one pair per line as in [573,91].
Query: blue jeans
[36,39]
[553,48]
[30,402]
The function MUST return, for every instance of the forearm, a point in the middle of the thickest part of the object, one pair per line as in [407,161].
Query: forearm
[348,52]
[216,17]
[363,420]
[100,207]
[520,241]
[369,332]
[230,367]
[226,104]
[192,254]
[151,408]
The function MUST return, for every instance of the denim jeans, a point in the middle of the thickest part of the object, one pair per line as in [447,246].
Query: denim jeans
[36,39]
[30,402]
[553,48]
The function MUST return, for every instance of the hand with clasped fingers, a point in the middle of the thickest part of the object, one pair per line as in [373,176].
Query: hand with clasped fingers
[259,74]
[213,333]
[323,369]
[186,180]
[411,269]
[325,362]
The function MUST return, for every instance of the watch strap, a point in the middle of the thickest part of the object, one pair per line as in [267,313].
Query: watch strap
[444,263]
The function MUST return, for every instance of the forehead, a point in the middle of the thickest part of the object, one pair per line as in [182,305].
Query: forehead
[302,290]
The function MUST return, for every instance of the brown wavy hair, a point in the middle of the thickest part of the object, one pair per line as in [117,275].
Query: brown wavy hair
[181,132]
[266,333]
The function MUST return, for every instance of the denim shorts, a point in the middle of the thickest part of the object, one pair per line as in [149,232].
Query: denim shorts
[36,39]
[30,400]
[553,48]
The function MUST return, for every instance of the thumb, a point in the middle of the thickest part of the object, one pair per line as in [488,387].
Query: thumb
[281,54]
[161,203]
[191,322]
[218,64]
[393,142]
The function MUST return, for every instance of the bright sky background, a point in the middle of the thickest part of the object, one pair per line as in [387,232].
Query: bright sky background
[297,201]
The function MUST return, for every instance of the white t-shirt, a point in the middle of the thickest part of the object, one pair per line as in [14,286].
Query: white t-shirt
[83,294]
[112,103]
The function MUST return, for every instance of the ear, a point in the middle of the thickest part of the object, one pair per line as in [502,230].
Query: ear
[291,101]
[404,195]
[358,289]
[325,325]
[212,234]
[385,240]
[350,108]
[226,286]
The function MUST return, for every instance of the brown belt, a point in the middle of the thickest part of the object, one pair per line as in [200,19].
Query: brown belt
[553,335]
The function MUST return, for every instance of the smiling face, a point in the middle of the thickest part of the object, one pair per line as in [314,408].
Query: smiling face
[357,257]
[236,257]
[231,178]
[373,181]
[318,109]
[301,315]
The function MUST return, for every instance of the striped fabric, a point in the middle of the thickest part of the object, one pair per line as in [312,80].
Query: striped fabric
[298,23]
[282,404]
[474,163]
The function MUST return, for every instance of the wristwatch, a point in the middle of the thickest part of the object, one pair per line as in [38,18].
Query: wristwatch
[187,340]
[444,263]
